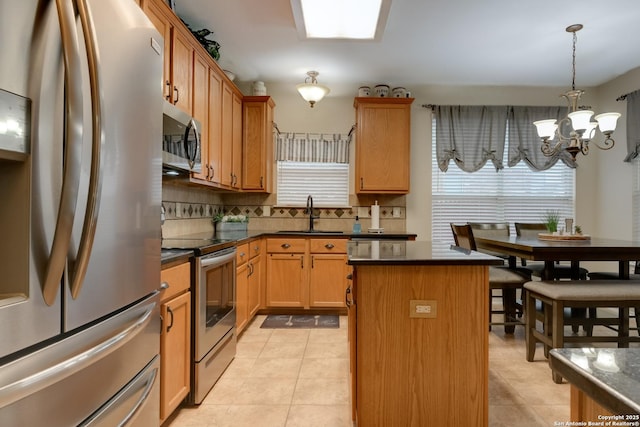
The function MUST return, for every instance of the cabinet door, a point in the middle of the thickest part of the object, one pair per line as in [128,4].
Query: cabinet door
[255,283]
[201,109]
[285,282]
[236,138]
[383,141]
[215,125]
[226,165]
[257,150]
[328,280]
[242,308]
[163,25]
[175,356]
[181,69]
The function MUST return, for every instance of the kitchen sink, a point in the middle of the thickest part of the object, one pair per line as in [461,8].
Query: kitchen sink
[309,232]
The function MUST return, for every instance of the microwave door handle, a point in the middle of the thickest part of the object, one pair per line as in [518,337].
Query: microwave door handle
[72,153]
[191,127]
[79,267]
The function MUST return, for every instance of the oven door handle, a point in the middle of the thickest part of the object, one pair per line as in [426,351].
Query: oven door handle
[215,260]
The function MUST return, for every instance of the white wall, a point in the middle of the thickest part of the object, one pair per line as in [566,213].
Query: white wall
[603,189]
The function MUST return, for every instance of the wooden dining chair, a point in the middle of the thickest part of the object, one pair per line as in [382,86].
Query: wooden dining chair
[507,281]
[602,275]
[531,230]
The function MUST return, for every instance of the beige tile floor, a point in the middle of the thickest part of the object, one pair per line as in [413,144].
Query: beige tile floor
[290,378]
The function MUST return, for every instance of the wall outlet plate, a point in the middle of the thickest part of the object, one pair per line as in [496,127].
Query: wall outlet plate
[423,308]
[363,211]
[397,212]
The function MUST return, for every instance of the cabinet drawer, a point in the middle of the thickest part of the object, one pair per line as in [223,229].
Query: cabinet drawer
[286,245]
[328,246]
[178,278]
[242,254]
[255,248]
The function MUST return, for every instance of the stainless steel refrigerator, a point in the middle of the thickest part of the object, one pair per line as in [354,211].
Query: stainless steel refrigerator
[80,194]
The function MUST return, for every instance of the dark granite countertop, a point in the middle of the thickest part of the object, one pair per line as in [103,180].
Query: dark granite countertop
[389,252]
[174,256]
[609,376]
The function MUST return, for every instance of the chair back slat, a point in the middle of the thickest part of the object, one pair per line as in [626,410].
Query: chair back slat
[463,236]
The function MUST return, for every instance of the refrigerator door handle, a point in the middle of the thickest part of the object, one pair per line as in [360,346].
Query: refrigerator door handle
[79,267]
[72,152]
[29,384]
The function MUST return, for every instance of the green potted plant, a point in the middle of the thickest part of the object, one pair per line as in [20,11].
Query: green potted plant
[212,46]
[551,219]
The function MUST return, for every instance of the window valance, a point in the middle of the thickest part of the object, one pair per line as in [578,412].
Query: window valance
[633,125]
[473,135]
[313,147]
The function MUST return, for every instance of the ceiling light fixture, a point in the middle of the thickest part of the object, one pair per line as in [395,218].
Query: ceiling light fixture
[310,90]
[340,19]
[581,128]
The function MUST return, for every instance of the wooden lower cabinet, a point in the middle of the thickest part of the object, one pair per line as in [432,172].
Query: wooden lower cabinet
[420,371]
[254,285]
[327,281]
[248,282]
[175,339]
[285,278]
[242,307]
[306,273]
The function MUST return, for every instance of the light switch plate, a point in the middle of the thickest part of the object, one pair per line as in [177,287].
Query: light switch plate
[178,210]
[423,308]
[266,210]
[397,212]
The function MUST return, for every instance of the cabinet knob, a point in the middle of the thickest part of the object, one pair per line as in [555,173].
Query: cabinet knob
[285,246]
[329,246]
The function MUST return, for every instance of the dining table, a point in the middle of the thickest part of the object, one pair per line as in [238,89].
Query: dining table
[573,250]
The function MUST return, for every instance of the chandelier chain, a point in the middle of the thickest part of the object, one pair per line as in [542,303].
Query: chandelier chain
[573,80]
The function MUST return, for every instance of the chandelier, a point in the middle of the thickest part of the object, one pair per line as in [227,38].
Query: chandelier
[582,129]
[310,90]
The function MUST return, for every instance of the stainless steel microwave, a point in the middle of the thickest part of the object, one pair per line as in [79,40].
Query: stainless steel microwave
[181,145]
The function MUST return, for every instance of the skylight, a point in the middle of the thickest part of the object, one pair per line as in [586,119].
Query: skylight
[341,19]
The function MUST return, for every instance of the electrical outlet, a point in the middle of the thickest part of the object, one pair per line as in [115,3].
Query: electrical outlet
[178,210]
[397,212]
[423,308]
[266,211]
[363,211]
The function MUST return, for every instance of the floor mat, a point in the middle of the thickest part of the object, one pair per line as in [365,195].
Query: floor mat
[308,321]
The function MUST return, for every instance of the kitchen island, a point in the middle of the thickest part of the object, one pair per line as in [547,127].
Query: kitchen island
[418,334]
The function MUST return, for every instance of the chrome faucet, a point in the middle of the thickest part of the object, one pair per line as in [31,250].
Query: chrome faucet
[310,211]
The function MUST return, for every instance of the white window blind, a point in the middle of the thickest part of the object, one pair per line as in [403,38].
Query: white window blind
[328,183]
[514,194]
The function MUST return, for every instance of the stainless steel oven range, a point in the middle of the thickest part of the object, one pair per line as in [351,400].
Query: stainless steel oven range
[213,286]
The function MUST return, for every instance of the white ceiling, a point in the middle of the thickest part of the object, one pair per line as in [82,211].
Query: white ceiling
[430,42]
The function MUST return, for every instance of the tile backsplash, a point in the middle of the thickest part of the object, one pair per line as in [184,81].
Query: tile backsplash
[190,210]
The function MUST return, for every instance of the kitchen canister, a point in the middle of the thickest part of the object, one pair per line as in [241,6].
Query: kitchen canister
[364,91]
[259,89]
[398,92]
[381,91]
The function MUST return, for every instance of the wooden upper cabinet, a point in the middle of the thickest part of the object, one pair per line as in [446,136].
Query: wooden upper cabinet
[181,69]
[383,140]
[257,143]
[215,125]
[236,140]
[178,53]
[226,158]
[201,110]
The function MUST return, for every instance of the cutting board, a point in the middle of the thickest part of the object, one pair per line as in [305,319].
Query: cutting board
[550,236]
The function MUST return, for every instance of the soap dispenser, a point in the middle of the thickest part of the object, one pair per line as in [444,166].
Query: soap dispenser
[357,228]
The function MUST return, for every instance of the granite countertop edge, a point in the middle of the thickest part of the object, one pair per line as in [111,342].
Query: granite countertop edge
[603,391]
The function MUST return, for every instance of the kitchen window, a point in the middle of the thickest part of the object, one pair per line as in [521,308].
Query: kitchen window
[313,164]
[513,194]
[328,183]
